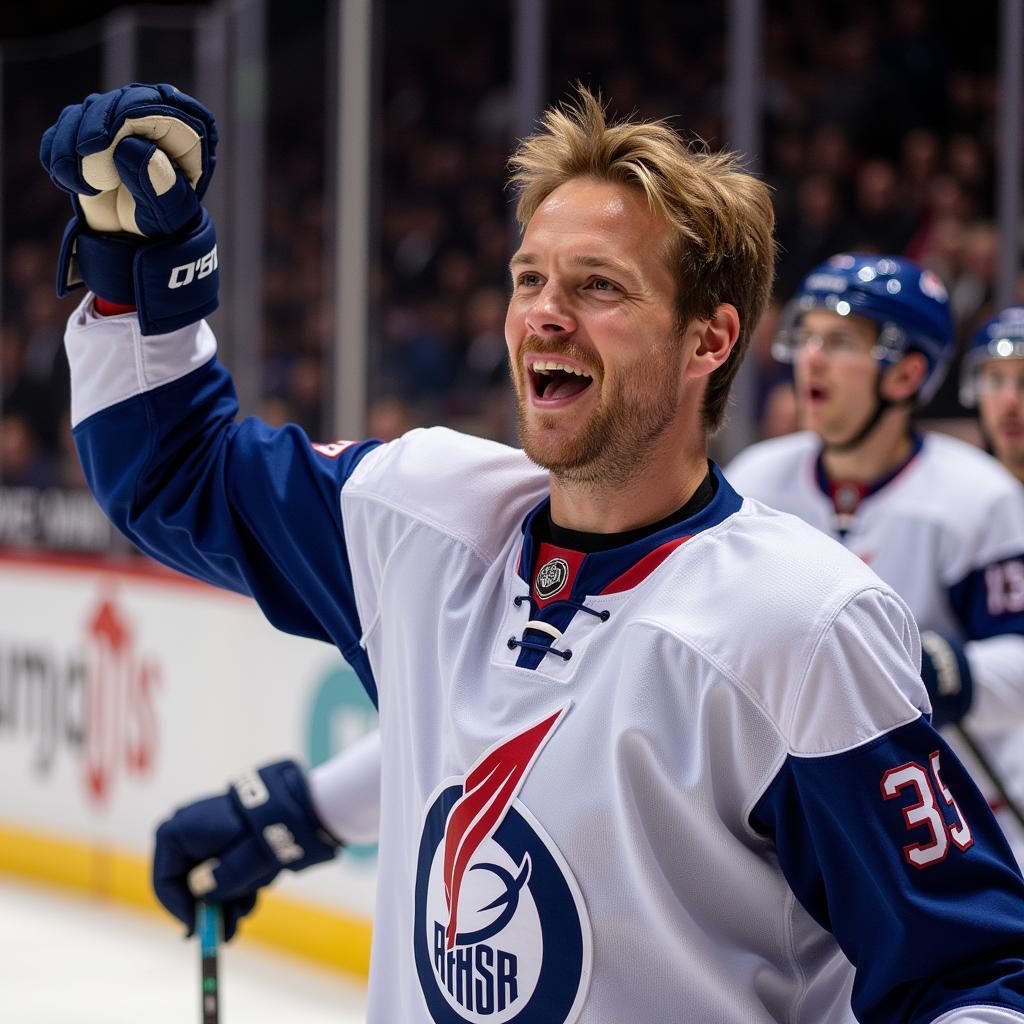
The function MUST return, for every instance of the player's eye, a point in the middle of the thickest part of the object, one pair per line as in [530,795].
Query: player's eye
[802,338]
[602,284]
[832,344]
[840,344]
[997,383]
[527,279]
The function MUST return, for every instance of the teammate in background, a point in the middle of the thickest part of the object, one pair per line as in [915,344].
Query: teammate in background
[992,378]
[870,339]
[649,750]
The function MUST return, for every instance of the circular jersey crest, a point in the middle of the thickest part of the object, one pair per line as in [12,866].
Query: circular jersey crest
[846,498]
[521,951]
[551,577]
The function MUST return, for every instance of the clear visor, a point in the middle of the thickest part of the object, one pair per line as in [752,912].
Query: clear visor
[997,348]
[839,340]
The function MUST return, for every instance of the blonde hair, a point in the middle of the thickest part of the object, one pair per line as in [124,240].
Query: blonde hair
[721,216]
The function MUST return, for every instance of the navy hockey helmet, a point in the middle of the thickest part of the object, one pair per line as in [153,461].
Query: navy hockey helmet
[907,302]
[1002,337]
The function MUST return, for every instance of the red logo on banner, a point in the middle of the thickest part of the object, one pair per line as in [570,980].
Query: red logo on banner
[120,721]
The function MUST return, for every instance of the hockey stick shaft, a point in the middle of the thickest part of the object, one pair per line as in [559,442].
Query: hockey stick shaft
[209,929]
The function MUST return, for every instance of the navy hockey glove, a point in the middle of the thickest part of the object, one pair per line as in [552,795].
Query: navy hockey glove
[947,677]
[136,162]
[226,848]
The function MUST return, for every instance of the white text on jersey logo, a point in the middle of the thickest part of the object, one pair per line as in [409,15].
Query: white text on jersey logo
[501,931]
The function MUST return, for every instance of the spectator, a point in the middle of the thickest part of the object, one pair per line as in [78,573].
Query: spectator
[23,463]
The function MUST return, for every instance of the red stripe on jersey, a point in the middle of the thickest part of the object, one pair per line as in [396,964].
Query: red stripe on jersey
[639,572]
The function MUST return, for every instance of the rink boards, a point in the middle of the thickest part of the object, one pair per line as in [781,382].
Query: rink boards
[126,690]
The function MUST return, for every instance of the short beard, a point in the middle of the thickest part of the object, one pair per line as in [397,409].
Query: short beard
[615,442]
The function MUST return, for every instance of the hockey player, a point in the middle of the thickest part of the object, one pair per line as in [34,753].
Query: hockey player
[992,378]
[650,751]
[870,339]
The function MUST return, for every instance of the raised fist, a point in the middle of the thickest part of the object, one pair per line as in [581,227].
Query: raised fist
[136,162]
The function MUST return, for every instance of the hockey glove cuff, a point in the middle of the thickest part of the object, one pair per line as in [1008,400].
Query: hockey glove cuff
[172,281]
[947,677]
[226,848]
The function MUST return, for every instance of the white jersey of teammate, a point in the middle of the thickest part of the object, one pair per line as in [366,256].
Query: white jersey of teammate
[686,779]
[946,531]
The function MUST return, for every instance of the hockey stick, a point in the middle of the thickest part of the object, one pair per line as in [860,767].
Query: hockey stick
[209,926]
[993,774]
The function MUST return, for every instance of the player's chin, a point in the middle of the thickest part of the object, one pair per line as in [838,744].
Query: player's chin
[549,443]
[809,420]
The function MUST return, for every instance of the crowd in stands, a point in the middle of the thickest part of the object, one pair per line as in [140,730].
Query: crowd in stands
[879,133]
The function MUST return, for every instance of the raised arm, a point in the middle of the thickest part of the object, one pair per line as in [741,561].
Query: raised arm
[240,505]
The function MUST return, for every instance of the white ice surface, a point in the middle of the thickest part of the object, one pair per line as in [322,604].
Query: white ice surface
[67,959]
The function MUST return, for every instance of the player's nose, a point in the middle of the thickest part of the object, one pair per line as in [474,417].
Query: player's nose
[810,358]
[549,313]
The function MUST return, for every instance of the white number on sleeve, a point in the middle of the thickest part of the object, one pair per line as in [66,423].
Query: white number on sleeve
[925,813]
[1004,587]
[960,833]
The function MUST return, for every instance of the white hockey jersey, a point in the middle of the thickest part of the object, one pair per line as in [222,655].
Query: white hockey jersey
[946,532]
[674,781]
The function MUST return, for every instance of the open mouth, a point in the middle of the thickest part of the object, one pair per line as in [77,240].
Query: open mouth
[815,393]
[553,381]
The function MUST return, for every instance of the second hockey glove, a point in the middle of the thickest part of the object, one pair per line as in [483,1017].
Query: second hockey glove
[136,162]
[947,677]
[226,848]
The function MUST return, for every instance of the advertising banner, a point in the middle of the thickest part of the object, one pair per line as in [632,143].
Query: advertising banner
[126,690]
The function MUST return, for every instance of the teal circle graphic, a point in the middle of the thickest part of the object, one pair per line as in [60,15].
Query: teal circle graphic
[340,714]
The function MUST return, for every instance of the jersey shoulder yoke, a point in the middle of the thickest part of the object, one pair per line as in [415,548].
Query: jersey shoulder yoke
[803,626]
[474,490]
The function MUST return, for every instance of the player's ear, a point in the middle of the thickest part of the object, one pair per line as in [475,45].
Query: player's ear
[716,339]
[903,380]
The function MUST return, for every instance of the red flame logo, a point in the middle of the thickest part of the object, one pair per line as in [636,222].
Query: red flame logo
[491,786]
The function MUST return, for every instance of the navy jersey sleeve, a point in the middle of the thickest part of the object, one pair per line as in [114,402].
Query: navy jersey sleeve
[238,504]
[989,601]
[891,847]
[986,587]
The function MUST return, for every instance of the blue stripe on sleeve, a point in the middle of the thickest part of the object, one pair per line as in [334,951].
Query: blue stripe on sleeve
[930,917]
[990,601]
[241,505]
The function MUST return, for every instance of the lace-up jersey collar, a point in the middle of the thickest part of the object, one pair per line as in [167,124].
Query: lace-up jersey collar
[558,579]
